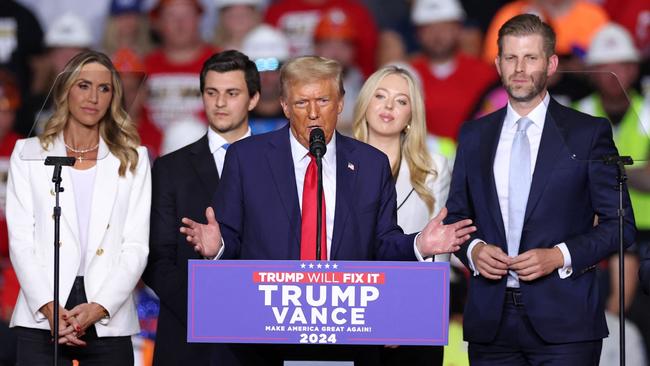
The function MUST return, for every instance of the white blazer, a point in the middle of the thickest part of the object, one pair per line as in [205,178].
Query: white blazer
[118,235]
[412,212]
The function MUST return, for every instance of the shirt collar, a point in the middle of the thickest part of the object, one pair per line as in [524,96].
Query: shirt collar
[215,140]
[298,152]
[537,115]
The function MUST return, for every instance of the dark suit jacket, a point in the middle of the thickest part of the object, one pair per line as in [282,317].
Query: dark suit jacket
[257,208]
[183,186]
[569,187]
[259,216]
[644,270]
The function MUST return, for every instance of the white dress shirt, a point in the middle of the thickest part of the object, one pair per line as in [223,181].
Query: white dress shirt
[216,142]
[300,163]
[501,171]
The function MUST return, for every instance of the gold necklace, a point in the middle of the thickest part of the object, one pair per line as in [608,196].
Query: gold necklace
[80,152]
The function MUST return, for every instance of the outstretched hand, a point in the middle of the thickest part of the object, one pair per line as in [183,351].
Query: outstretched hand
[438,238]
[205,238]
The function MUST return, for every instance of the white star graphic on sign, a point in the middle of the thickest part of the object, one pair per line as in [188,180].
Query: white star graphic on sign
[327,265]
[303,265]
[311,265]
[335,266]
[319,265]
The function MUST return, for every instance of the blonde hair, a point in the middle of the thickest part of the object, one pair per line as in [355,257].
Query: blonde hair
[308,69]
[412,140]
[116,128]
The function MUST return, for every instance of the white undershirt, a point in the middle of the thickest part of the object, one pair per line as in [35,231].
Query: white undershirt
[83,182]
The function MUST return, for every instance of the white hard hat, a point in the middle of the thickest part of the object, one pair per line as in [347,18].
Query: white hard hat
[69,31]
[612,43]
[223,3]
[432,11]
[264,44]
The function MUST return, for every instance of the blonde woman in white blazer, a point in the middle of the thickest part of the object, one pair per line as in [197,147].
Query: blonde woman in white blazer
[104,229]
[389,115]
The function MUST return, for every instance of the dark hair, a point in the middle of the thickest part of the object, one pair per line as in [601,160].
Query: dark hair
[232,60]
[525,25]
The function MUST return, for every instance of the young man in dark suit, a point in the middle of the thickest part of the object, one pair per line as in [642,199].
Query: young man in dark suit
[184,183]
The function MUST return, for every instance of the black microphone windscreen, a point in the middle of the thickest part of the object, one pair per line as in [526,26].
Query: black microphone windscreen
[317,144]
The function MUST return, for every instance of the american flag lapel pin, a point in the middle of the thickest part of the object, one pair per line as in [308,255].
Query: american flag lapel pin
[350,166]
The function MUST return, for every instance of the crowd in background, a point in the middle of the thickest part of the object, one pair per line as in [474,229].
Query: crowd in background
[159,47]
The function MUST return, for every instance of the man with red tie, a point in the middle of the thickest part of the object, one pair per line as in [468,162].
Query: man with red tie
[266,200]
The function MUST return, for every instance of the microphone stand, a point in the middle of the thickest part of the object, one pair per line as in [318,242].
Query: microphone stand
[319,206]
[58,162]
[621,178]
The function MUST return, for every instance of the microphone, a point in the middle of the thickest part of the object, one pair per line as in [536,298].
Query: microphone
[60,160]
[317,146]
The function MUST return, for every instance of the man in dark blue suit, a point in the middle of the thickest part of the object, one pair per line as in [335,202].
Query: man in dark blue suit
[184,183]
[261,200]
[531,176]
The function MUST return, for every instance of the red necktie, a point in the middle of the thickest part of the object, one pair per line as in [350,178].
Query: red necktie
[309,210]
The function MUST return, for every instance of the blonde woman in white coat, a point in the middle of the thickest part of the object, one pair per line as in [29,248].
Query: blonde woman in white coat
[389,115]
[104,222]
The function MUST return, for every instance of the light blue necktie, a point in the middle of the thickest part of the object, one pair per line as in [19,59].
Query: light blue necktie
[225,146]
[518,189]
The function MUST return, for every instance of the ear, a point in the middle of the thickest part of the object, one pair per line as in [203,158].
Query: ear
[339,106]
[285,107]
[496,63]
[252,103]
[551,68]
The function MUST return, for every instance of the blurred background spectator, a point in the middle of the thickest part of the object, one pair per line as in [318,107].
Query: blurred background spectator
[236,18]
[453,81]
[131,68]
[574,21]
[336,37]
[268,48]
[10,101]
[94,13]
[173,72]
[127,26]
[21,51]
[298,20]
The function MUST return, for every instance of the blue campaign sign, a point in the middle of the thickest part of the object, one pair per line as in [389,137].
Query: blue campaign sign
[329,302]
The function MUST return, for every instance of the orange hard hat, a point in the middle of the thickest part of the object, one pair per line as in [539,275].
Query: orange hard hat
[335,24]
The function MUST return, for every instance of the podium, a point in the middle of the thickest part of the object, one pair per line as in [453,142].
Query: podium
[318,303]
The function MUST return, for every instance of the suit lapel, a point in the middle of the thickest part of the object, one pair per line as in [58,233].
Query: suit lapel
[104,196]
[488,148]
[346,176]
[550,146]
[203,162]
[284,177]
